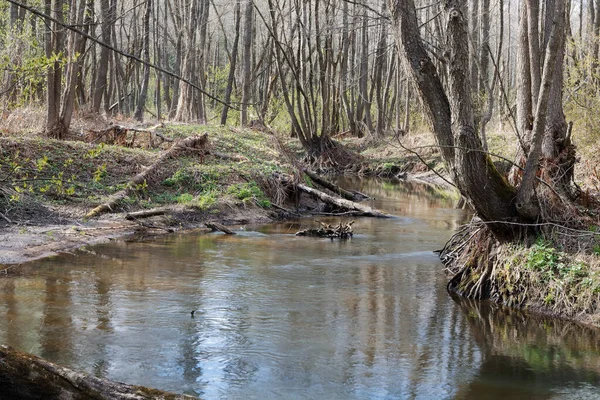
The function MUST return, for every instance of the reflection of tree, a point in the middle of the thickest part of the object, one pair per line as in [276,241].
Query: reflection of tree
[528,355]
[56,326]
[435,196]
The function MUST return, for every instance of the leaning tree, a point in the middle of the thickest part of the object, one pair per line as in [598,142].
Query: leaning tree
[545,174]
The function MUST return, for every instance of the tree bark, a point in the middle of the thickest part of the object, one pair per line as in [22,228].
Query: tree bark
[141,104]
[232,63]
[54,46]
[527,202]
[108,9]
[470,167]
[247,56]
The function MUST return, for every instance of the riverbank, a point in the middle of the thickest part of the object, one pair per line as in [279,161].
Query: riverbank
[49,187]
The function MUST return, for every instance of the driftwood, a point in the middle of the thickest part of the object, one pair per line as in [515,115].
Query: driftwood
[214,226]
[347,194]
[24,376]
[342,231]
[146,213]
[193,142]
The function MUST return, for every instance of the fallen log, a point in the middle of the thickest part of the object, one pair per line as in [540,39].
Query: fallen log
[117,134]
[342,203]
[193,142]
[146,214]
[215,226]
[25,376]
[362,209]
[347,194]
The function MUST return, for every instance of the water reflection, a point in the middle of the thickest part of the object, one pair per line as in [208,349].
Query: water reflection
[530,355]
[282,316]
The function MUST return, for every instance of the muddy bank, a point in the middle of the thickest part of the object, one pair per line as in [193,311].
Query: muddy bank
[20,244]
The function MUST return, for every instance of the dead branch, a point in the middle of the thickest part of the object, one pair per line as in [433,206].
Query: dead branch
[348,195]
[335,201]
[146,213]
[4,217]
[215,226]
[178,148]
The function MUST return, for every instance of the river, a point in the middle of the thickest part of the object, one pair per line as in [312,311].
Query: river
[286,317]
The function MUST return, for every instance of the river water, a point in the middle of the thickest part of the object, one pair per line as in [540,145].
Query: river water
[286,317]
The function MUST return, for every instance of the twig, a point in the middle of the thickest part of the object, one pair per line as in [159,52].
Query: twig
[425,163]
[4,217]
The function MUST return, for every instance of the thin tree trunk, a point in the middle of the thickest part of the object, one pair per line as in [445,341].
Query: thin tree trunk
[469,166]
[527,202]
[141,105]
[247,56]
[75,50]
[232,63]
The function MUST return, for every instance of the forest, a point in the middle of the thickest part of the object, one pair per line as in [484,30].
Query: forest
[234,110]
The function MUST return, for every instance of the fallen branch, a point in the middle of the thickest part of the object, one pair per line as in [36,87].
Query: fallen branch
[342,203]
[4,217]
[214,226]
[146,213]
[193,142]
[24,376]
[347,194]
[334,201]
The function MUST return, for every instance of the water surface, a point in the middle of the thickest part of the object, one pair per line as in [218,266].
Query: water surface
[288,317]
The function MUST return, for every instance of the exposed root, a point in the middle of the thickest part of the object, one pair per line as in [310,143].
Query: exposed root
[541,276]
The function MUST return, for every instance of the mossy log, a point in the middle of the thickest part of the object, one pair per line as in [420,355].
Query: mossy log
[24,376]
[178,148]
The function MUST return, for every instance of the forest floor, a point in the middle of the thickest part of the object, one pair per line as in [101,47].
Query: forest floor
[48,186]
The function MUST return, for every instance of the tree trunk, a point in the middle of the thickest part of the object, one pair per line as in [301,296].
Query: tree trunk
[75,50]
[141,105]
[469,166]
[108,9]
[232,63]
[527,202]
[54,47]
[247,56]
